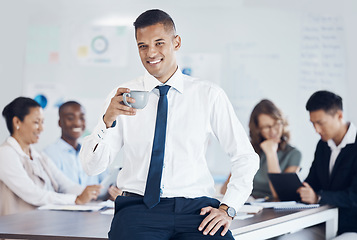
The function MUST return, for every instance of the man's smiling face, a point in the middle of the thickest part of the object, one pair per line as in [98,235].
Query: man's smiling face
[72,121]
[157,46]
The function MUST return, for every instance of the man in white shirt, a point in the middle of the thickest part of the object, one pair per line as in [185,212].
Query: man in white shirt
[166,183]
[333,174]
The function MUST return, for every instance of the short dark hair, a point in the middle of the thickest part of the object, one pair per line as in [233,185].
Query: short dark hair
[66,104]
[19,107]
[152,17]
[324,100]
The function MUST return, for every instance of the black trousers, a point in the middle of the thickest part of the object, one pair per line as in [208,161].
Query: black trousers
[171,219]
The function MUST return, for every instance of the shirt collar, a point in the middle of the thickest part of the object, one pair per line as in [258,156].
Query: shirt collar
[349,138]
[13,143]
[176,81]
[66,146]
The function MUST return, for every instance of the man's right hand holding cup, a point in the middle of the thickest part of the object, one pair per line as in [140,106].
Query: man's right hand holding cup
[116,107]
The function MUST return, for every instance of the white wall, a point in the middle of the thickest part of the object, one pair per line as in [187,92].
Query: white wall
[13,23]
[253,49]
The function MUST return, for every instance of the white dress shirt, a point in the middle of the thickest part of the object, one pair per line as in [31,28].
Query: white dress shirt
[196,109]
[349,138]
[34,180]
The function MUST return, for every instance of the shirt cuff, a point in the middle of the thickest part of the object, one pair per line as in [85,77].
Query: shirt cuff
[232,202]
[100,130]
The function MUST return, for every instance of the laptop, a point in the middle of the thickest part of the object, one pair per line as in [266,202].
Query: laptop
[286,185]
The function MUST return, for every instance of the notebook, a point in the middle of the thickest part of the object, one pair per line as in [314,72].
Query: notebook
[296,206]
[285,185]
[71,207]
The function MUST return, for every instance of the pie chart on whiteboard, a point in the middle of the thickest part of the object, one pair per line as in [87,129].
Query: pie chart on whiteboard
[99,44]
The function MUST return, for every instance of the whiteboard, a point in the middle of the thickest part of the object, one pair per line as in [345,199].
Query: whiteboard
[283,50]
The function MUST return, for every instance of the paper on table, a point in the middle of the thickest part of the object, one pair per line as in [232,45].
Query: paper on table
[84,208]
[273,204]
[108,212]
[243,216]
[108,204]
[250,209]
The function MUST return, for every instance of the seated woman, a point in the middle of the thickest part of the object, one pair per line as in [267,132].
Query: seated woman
[28,179]
[270,139]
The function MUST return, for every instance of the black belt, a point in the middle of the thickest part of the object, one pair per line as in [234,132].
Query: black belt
[129,194]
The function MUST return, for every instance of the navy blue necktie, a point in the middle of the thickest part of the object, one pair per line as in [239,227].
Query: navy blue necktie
[153,182]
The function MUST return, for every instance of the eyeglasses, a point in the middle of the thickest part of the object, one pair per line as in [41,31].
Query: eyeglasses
[276,126]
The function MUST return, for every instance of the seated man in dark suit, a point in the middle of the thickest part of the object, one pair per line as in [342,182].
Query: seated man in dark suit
[333,174]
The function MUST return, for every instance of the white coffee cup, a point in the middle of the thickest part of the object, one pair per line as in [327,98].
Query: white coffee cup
[141,99]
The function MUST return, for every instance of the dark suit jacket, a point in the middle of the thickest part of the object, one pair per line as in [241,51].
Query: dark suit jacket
[339,189]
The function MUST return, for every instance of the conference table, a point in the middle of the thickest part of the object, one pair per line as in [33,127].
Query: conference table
[47,224]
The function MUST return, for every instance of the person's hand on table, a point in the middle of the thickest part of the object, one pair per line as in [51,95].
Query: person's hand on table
[214,221]
[91,192]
